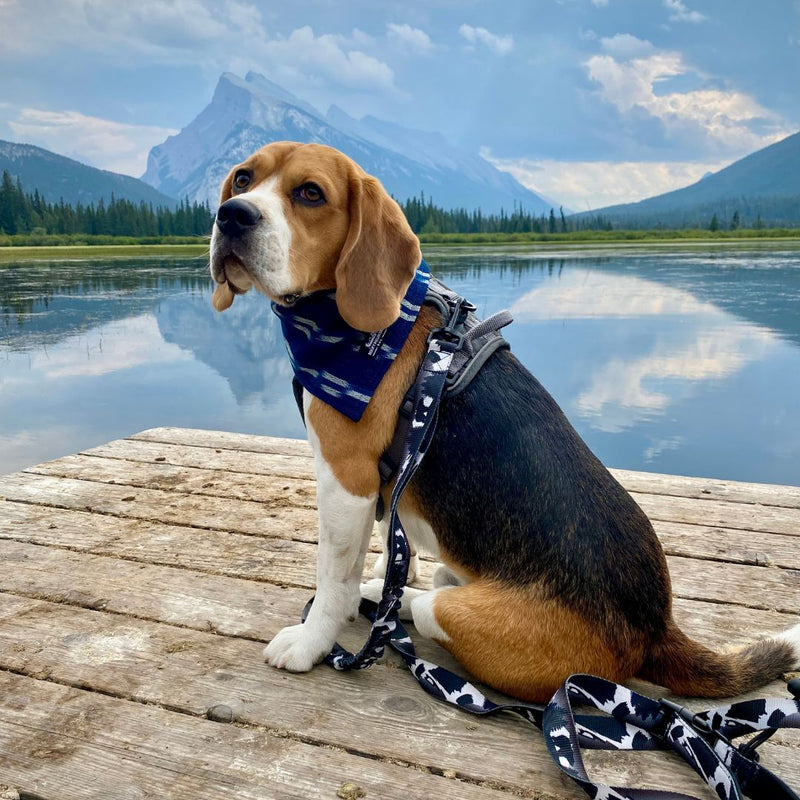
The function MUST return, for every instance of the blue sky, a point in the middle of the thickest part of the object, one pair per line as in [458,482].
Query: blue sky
[588,101]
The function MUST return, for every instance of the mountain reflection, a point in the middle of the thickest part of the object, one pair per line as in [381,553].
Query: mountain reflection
[243,344]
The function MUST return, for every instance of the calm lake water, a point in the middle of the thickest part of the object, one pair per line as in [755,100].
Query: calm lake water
[672,359]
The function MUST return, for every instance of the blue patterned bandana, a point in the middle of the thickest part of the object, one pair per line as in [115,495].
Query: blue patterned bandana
[337,363]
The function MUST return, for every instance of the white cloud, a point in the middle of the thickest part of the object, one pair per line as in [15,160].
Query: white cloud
[111,347]
[590,295]
[583,185]
[100,142]
[413,39]
[501,45]
[215,35]
[600,3]
[624,45]
[680,13]
[313,57]
[622,392]
[712,117]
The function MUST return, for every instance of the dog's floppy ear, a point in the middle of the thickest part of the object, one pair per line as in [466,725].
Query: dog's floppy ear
[378,260]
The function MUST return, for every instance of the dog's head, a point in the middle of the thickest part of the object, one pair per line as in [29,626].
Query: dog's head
[295,218]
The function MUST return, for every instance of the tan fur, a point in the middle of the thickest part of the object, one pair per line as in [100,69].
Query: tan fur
[223,296]
[525,644]
[378,260]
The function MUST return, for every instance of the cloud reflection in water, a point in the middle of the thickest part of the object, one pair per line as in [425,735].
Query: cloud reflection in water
[663,364]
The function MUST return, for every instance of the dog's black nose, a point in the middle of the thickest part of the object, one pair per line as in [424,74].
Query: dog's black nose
[236,216]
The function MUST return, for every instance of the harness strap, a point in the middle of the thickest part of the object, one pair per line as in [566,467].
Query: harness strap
[475,342]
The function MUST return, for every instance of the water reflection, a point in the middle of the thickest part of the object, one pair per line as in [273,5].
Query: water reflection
[674,360]
[673,342]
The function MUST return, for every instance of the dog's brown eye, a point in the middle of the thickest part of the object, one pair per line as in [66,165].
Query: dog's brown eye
[241,180]
[310,194]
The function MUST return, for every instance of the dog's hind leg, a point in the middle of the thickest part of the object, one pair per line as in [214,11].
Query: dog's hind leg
[373,590]
[518,641]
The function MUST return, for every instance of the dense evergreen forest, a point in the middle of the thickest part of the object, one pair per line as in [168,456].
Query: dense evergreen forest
[22,213]
[30,219]
[425,218]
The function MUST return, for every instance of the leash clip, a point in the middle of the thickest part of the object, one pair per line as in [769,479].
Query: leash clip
[449,338]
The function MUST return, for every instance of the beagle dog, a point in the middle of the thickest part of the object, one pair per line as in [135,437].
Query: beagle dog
[549,566]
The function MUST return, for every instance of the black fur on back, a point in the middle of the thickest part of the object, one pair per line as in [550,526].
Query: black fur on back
[513,493]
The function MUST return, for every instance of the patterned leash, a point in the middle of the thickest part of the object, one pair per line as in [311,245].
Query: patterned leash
[430,384]
[632,722]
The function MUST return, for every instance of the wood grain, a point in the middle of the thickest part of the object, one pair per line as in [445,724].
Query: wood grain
[142,578]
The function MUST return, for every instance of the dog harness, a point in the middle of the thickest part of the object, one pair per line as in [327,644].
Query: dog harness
[631,721]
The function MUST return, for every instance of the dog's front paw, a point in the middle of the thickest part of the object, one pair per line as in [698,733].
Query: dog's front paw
[295,649]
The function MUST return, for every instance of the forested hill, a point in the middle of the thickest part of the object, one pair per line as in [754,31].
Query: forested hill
[29,214]
[58,177]
[764,186]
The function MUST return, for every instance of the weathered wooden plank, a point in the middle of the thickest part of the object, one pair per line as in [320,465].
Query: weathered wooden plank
[377,711]
[237,607]
[215,513]
[729,544]
[708,488]
[268,489]
[243,461]
[644,482]
[292,563]
[214,552]
[721,544]
[718,513]
[225,440]
[736,584]
[299,492]
[63,742]
[182,597]
[262,519]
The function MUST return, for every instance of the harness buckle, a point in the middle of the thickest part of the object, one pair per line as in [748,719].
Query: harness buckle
[693,720]
[448,339]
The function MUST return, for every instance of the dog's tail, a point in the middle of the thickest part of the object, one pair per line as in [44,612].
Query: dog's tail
[688,668]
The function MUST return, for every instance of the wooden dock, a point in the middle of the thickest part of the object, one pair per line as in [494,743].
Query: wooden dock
[141,579]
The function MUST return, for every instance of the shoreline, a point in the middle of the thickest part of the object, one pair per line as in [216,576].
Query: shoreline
[13,253]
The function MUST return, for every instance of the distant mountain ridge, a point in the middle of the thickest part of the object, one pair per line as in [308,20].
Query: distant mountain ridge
[57,177]
[764,184]
[245,114]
